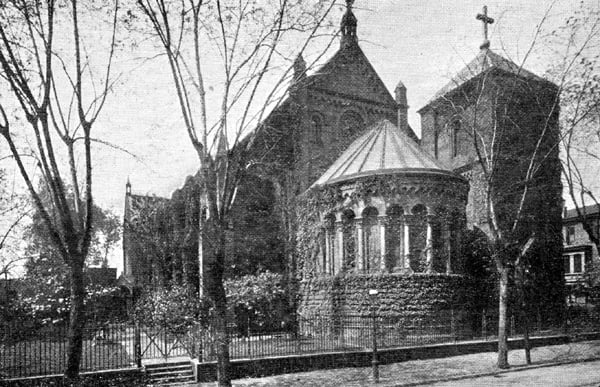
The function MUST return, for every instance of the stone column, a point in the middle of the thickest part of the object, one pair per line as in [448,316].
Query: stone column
[447,233]
[382,252]
[429,244]
[406,249]
[339,248]
[328,251]
[360,261]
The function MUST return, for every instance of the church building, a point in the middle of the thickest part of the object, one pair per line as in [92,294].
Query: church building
[347,198]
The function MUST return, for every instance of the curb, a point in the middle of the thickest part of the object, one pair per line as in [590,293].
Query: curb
[499,372]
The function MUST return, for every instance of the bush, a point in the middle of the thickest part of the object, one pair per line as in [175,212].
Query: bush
[258,302]
[175,308]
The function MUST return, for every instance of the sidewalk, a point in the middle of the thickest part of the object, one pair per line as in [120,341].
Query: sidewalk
[418,372]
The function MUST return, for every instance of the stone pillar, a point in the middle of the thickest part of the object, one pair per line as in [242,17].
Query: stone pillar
[339,248]
[360,261]
[382,226]
[328,251]
[447,233]
[429,244]
[406,240]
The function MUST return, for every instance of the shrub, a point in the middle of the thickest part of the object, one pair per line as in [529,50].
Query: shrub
[258,302]
[176,308]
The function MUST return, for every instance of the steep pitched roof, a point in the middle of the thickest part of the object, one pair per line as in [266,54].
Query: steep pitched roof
[382,150]
[485,61]
[349,73]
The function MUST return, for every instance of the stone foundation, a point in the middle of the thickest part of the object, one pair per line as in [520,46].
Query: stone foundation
[400,295]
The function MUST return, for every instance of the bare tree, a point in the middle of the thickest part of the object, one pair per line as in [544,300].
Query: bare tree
[248,46]
[578,68]
[55,99]
[508,120]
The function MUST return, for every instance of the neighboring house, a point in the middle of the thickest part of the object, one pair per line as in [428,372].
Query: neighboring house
[580,255]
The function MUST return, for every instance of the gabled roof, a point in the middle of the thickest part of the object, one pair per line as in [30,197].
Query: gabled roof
[382,150]
[348,72]
[485,61]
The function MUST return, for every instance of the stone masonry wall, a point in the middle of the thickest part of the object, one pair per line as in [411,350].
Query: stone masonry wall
[407,296]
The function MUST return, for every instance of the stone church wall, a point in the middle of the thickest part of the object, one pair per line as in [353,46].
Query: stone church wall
[405,296]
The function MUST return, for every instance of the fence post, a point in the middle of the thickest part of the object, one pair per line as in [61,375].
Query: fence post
[137,344]
[248,336]
[483,325]
[453,324]
[512,325]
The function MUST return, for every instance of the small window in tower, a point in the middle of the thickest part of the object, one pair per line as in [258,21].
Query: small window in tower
[317,129]
[436,138]
[455,139]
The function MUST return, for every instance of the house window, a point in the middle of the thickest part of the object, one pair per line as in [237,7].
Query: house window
[567,264]
[570,235]
[578,263]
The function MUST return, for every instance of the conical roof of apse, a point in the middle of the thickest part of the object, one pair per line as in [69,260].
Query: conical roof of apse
[382,150]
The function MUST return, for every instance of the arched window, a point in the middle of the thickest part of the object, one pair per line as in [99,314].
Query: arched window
[351,123]
[455,138]
[316,123]
[329,254]
[371,239]
[394,237]
[349,230]
[418,238]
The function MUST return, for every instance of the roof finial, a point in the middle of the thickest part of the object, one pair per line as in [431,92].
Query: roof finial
[348,25]
[128,186]
[485,20]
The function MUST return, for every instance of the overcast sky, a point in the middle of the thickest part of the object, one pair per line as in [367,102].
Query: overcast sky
[420,42]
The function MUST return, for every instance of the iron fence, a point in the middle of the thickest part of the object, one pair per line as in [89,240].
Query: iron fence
[43,351]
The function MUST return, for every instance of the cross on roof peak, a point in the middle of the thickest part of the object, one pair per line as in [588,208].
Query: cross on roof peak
[485,19]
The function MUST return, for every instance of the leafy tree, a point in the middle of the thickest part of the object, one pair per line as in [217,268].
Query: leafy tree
[54,98]
[48,276]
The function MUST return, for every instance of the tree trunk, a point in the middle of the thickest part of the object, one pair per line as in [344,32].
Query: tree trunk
[526,342]
[502,320]
[76,318]
[215,291]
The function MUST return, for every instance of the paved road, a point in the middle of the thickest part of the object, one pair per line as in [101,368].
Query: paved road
[568,375]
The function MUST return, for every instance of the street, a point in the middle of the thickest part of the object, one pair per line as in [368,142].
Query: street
[567,375]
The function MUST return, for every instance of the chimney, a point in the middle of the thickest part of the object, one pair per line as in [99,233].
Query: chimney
[401,101]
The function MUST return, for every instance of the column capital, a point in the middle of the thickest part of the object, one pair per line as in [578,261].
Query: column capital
[359,222]
[383,219]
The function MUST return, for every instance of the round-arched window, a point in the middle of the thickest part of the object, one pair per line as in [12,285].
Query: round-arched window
[316,123]
[351,123]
